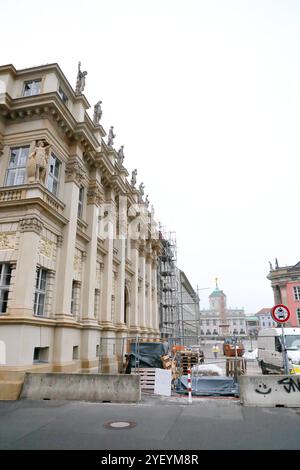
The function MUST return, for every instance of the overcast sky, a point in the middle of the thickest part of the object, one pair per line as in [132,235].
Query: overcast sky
[205,97]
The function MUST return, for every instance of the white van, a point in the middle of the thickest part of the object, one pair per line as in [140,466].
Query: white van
[269,347]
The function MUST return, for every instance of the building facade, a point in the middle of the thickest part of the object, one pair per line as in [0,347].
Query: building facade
[78,245]
[220,321]
[265,319]
[285,282]
[252,325]
[189,311]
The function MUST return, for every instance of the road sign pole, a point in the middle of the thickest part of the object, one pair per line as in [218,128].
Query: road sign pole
[284,353]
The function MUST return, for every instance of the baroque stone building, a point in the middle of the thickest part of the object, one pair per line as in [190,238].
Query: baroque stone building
[78,246]
[220,321]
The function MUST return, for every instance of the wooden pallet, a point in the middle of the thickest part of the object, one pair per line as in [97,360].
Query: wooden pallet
[147,376]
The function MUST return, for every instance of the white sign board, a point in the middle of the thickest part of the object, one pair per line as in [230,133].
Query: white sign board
[162,384]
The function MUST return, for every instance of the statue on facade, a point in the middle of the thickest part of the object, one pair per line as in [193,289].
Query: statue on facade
[276,263]
[147,202]
[133,177]
[80,82]
[97,112]
[141,189]
[121,155]
[111,137]
[271,267]
[38,162]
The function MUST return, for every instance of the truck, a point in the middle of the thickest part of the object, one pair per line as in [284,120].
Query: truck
[269,350]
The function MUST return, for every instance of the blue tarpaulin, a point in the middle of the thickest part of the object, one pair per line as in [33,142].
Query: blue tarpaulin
[209,385]
[148,354]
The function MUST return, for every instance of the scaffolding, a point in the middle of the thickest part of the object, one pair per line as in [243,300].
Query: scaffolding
[168,286]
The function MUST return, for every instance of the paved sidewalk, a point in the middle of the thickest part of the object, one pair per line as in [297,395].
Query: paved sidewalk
[158,423]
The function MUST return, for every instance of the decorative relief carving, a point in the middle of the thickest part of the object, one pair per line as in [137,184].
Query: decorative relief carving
[74,171]
[32,224]
[77,263]
[94,196]
[46,248]
[59,241]
[7,240]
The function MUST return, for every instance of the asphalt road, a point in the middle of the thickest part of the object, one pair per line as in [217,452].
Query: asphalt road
[160,423]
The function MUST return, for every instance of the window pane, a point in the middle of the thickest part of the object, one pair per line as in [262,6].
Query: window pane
[23,155]
[4,300]
[10,178]
[20,177]
[54,187]
[56,169]
[13,158]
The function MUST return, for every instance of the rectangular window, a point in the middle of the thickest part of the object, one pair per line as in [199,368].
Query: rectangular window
[32,87]
[5,275]
[214,322]
[75,352]
[41,354]
[73,298]
[40,292]
[297,292]
[298,315]
[207,322]
[62,95]
[53,176]
[80,202]
[16,171]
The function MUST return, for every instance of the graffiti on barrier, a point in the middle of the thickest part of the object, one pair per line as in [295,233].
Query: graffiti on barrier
[263,389]
[290,384]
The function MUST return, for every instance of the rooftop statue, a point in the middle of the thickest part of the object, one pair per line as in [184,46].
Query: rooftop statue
[111,137]
[133,177]
[141,188]
[121,155]
[80,82]
[147,202]
[97,112]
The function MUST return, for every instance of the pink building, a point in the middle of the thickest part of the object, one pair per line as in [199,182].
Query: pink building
[285,282]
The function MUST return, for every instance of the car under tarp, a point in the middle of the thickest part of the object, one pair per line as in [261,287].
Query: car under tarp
[208,386]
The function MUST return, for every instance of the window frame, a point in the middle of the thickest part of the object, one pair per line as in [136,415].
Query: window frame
[63,96]
[296,290]
[17,168]
[40,292]
[80,202]
[34,80]
[51,176]
[5,272]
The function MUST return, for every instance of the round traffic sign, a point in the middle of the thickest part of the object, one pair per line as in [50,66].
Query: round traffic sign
[280,313]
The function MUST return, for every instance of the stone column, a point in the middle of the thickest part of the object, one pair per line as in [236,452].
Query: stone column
[155,310]
[74,175]
[142,289]
[107,230]
[134,307]
[22,295]
[89,281]
[120,244]
[149,317]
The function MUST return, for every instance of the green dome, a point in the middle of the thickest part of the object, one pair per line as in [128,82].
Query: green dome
[217,293]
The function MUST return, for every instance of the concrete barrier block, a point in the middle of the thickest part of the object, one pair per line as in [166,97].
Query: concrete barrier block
[83,387]
[270,390]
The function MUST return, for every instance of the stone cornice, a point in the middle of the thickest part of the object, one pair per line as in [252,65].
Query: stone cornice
[31,224]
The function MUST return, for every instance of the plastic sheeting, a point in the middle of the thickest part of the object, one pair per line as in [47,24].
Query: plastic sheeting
[148,354]
[205,386]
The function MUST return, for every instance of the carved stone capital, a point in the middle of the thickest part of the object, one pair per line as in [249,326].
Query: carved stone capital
[94,196]
[135,244]
[31,224]
[74,171]
[59,241]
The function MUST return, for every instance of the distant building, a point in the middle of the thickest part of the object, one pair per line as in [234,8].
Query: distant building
[265,319]
[220,321]
[285,282]
[188,310]
[252,325]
